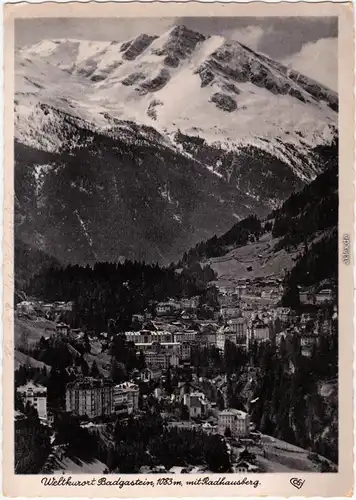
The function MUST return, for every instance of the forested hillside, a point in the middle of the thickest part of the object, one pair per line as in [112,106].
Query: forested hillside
[117,291]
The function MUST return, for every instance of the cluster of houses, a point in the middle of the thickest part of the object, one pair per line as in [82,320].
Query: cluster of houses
[322,297]
[310,329]
[257,288]
[86,396]
[185,308]
[41,308]
[167,342]
[271,289]
[91,398]
[36,396]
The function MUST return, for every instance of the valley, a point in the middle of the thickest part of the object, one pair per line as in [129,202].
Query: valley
[176,271]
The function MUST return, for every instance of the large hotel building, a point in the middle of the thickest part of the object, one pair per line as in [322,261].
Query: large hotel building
[90,397]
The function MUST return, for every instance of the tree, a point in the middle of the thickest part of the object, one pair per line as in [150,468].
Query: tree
[86,341]
[184,412]
[94,371]
[291,296]
[84,367]
[32,444]
[217,456]
[227,432]
[168,383]
[141,362]
[117,371]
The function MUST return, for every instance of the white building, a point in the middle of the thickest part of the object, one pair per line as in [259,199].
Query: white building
[185,336]
[324,296]
[230,311]
[258,331]
[207,339]
[148,375]
[36,396]
[62,328]
[236,420]
[184,351]
[161,359]
[90,397]
[196,403]
[25,307]
[239,327]
[191,303]
[148,336]
[173,347]
[167,308]
[126,396]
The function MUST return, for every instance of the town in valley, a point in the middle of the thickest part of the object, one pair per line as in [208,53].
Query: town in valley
[184,374]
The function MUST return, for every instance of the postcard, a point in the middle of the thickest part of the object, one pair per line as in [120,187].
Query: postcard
[178,234]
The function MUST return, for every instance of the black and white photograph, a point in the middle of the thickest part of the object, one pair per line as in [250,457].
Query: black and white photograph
[176,204]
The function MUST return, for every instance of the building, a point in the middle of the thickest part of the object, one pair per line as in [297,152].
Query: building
[326,327]
[226,333]
[25,307]
[184,351]
[309,339]
[245,467]
[258,331]
[62,329]
[324,296]
[306,317]
[206,339]
[90,397]
[197,404]
[161,358]
[138,318]
[236,420]
[230,311]
[228,300]
[61,306]
[238,325]
[185,336]
[306,296]
[167,308]
[148,375]
[223,335]
[126,397]
[191,303]
[286,315]
[48,308]
[170,347]
[36,396]
[158,393]
[148,336]
[188,315]
[307,343]
[247,312]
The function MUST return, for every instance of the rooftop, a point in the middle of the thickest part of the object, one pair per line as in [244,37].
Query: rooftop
[33,386]
[126,386]
[88,383]
[233,412]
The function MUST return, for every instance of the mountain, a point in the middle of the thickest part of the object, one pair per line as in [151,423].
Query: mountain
[141,149]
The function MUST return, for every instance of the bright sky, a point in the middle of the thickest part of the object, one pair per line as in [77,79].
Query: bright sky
[309,45]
